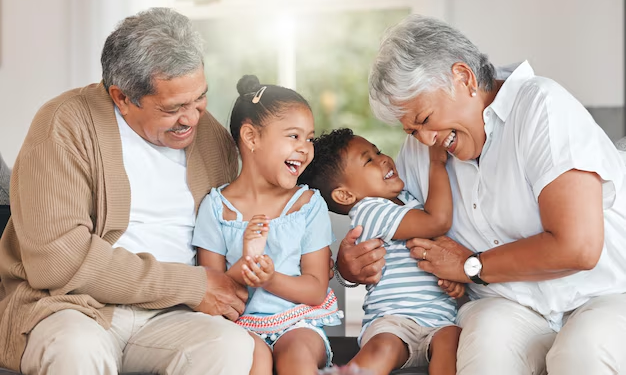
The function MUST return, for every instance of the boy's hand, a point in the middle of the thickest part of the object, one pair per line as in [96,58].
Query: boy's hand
[438,154]
[452,288]
[255,236]
[258,275]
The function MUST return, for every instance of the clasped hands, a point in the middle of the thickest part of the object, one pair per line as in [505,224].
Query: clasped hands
[442,257]
[225,296]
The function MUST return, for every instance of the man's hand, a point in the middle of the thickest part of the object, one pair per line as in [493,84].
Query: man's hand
[362,263]
[452,288]
[258,275]
[442,257]
[223,296]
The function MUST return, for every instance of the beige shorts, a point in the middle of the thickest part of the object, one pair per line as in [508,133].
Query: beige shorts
[416,337]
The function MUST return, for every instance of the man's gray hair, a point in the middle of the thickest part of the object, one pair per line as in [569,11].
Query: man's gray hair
[416,56]
[157,43]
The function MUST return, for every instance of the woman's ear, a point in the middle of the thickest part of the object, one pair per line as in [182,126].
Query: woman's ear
[249,136]
[463,74]
[343,196]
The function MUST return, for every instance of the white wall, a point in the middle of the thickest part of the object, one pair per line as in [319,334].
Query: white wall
[578,43]
[33,64]
[48,47]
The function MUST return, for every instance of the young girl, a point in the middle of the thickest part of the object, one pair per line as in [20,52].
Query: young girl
[271,235]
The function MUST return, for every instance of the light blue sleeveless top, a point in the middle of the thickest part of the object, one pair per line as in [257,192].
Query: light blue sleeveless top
[290,236]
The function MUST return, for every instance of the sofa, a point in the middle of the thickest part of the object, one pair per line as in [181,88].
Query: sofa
[344,348]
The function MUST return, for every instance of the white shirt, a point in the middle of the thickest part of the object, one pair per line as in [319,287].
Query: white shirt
[162,209]
[536,131]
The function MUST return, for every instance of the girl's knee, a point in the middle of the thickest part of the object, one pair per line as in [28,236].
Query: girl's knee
[303,345]
[262,361]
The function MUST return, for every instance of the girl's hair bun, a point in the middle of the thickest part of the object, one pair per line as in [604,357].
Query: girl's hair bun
[248,84]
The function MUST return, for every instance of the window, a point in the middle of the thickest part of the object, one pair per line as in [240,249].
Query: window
[324,52]
[329,66]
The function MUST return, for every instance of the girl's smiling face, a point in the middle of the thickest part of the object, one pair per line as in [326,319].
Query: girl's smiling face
[284,146]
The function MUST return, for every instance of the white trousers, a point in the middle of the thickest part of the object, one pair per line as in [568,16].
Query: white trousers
[502,337]
[174,341]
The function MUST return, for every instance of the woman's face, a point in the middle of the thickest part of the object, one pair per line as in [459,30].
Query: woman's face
[454,121]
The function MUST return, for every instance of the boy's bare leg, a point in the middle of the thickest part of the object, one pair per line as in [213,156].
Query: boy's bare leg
[300,351]
[262,362]
[442,351]
[381,354]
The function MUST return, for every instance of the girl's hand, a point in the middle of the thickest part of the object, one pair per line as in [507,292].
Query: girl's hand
[452,288]
[258,275]
[255,236]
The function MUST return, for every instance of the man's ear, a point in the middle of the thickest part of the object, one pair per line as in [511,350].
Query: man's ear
[343,196]
[120,99]
[249,134]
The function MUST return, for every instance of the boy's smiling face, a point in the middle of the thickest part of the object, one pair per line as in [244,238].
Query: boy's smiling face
[366,173]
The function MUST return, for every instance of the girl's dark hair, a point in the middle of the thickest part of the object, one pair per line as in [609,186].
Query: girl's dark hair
[272,104]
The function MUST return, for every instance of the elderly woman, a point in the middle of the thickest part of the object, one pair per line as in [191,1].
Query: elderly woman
[539,228]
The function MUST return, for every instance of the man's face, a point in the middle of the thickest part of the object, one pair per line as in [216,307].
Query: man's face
[169,117]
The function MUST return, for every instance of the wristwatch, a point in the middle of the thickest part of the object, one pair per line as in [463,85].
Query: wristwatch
[472,268]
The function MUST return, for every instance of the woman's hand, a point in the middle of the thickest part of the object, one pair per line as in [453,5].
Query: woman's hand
[258,272]
[255,236]
[362,263]
[442,257]
[452,288]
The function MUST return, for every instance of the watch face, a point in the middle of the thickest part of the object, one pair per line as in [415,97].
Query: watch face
[472,266]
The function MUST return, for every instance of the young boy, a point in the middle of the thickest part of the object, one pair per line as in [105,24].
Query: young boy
[409,318]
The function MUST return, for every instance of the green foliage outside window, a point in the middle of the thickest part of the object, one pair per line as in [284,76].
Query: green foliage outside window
[334,52]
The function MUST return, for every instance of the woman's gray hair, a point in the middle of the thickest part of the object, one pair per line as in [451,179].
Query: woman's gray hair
[416,56]
[157,43]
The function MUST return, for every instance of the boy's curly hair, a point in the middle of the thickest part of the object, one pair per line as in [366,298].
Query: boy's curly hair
[325,172]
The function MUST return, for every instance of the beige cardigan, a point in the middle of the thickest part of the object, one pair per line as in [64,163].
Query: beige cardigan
[70,203]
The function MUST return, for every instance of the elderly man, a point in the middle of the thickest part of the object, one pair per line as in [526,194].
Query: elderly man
[96,267]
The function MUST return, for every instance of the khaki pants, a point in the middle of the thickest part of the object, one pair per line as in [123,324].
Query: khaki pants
[173,341]
[502,337]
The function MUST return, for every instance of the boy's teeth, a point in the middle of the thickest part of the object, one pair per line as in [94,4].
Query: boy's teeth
[388,175]
[294,162]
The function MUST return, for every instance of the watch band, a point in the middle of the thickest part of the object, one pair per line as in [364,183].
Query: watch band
[476,278]
[341,280]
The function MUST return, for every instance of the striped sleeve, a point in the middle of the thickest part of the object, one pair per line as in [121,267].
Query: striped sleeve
[379,217]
